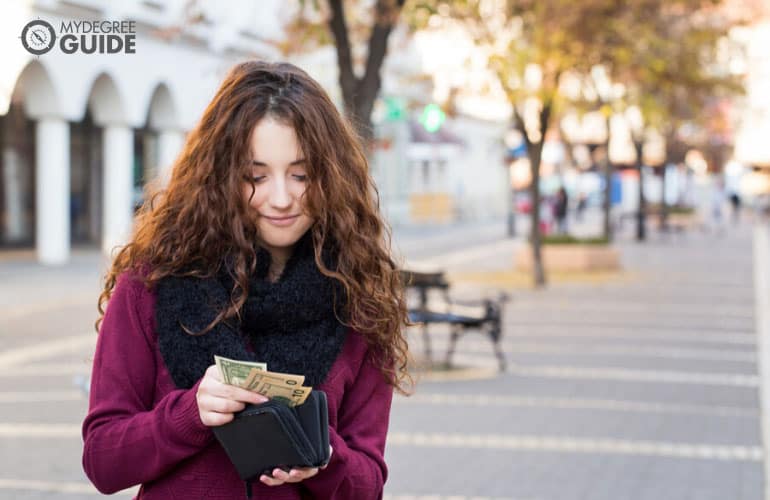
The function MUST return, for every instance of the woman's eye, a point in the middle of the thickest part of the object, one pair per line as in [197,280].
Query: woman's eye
[300,177]
[256,179]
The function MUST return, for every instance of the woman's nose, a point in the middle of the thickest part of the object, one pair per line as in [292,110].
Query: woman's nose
[279,195]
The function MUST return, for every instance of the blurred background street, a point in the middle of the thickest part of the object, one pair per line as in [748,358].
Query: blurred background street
[605,165]
[643,385]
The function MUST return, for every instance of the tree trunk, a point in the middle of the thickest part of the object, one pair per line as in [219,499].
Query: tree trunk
[535,153]
[641,215]
[607,200]
[359,94]
[663,204]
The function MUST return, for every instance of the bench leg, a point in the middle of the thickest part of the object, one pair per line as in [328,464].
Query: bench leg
[494,334]
[455,334]
[426,344]
[500,356]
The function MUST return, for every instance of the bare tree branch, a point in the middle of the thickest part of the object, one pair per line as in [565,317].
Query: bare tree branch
[339,30]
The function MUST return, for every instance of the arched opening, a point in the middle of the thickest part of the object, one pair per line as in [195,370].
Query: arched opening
[17,178]
[150,146]
[86,180]
[33,95]
[110,163]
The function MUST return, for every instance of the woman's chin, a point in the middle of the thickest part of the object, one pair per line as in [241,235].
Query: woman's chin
[279,241]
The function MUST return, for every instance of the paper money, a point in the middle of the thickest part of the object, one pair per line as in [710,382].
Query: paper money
[292,396]
[287,379]
[284,387]
[235,372]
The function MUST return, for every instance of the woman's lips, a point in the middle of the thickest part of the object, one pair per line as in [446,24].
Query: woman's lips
[282,221]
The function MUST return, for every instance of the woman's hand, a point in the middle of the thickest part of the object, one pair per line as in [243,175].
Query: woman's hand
[218,401]
[295,475]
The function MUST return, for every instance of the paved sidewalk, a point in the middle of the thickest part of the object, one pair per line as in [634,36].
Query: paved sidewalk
[642,389]
[635,389]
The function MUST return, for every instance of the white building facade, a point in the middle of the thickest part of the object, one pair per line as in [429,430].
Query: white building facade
[80,133]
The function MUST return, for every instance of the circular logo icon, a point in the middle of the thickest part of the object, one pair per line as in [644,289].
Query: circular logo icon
[38,37]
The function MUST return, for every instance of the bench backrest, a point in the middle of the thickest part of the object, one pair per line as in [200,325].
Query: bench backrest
[418,279]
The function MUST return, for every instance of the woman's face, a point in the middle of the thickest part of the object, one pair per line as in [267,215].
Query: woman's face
[278,176]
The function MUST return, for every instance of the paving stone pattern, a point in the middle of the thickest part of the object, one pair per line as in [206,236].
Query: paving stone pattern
[639,389]
[643,388]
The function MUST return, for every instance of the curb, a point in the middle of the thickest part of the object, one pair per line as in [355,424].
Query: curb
[762,321]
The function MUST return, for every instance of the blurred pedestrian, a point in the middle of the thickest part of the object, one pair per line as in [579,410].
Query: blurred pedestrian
[561,210]
[735,203]
[580,208]
[717,206]
[267,245]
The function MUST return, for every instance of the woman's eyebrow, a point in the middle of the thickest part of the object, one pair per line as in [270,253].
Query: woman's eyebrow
[258,163]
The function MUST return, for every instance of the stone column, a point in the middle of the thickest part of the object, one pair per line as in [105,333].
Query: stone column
[13,193]
[170,143]
[52,190]
[118,167]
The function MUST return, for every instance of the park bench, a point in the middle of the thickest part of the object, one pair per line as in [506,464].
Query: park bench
[429,302]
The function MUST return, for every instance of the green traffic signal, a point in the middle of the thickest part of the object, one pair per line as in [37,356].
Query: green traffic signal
[432,117]
[395,109]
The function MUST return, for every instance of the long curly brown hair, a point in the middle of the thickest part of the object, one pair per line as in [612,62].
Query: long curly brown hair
[196,222]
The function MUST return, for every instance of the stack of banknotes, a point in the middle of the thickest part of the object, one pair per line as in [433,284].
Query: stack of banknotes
[255,377]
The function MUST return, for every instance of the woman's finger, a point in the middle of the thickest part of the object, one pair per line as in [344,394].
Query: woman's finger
[240,394]
[269,480]
[300,474]
[280,475]
[214,419]
[227,391]
[213,372]
[211,403]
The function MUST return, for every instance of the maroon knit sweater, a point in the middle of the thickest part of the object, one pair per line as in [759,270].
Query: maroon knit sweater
[141,429]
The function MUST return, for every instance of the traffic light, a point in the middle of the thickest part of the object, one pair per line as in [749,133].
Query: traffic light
[432,117]
[395,109]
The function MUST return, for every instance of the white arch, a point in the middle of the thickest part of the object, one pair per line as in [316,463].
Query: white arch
[106,102]
[163,117]
[36,88]
[162,113]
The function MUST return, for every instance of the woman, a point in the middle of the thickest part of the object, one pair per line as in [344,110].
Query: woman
[267,246]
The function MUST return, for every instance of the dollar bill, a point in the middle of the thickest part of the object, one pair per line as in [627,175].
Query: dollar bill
[291,395]
[255,377]
[235,372]
[280,386]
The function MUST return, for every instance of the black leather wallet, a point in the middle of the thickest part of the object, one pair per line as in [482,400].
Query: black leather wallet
[269,435]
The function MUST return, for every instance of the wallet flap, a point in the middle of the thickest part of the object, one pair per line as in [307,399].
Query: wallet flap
[296,432]
[258,441]
[269,435]
[313,416]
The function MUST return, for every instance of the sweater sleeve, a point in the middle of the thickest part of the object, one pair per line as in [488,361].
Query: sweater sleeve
[127,440]
[357,467]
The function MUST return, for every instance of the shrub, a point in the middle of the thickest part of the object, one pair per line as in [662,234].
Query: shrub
[566,239]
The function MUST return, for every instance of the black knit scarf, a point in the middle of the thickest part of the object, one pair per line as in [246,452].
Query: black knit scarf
[289,324]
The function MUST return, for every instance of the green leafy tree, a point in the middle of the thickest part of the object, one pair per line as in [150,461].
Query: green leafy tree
[662,51]
[665,57]
[670,58]
[532,46]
